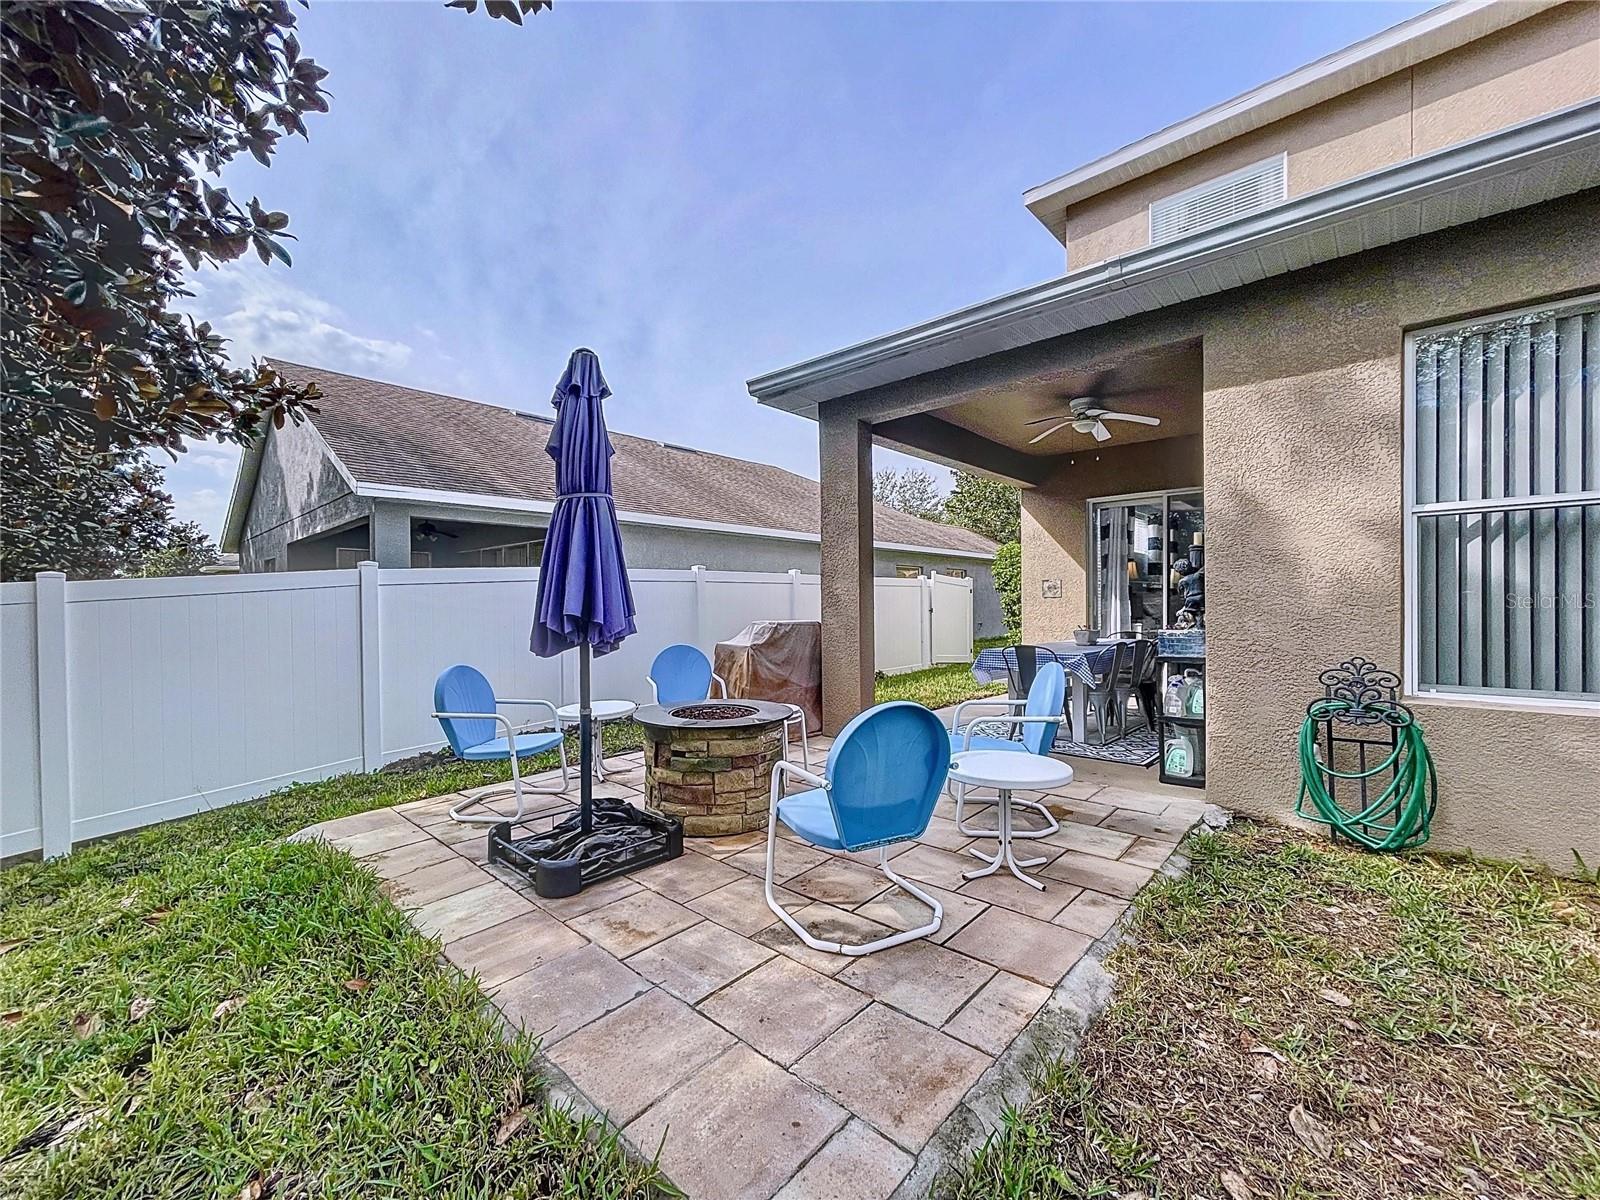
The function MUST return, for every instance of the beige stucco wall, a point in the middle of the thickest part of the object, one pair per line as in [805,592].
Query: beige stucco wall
[1303,400]
[1302,472]
[1545,63]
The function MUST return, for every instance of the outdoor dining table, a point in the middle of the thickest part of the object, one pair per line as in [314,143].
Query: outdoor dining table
[1005,772]
[1083,666]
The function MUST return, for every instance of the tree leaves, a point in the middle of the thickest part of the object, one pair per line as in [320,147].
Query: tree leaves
[506,10]
[985,506]
[117,123]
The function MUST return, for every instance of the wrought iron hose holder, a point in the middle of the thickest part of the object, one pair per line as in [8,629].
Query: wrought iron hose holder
[1359,695]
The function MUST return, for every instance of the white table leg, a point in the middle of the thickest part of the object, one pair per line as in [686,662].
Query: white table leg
[1080,709]
[1005,852]
[599,752]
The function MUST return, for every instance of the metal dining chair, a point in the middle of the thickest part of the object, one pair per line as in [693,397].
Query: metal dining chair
[1104,692]
[1137,682]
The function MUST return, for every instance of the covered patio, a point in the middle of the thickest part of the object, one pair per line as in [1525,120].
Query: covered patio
[674,1002]
[1098,529]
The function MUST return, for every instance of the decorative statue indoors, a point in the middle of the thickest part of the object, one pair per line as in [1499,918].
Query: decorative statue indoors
[1190,581]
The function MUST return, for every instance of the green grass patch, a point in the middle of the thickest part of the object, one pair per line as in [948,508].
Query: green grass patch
[202,1009]
[939,686]
[1293,1019]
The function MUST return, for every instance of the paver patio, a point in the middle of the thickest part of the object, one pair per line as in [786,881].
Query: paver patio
[676,1003]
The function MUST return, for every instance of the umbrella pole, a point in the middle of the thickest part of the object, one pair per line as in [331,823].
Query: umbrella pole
[585,744]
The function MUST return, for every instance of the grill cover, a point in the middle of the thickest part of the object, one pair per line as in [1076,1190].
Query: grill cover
[776,660]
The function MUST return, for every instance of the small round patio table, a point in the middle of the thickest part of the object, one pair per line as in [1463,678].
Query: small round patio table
[600,711]
[1005,771]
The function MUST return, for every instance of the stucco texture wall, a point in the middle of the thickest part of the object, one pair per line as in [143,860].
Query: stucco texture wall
[1303,483]
[299,493]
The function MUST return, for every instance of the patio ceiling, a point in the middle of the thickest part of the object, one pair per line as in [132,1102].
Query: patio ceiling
[983,426]
[1164,383]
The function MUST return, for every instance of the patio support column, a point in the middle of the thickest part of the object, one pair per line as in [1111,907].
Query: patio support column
[845,443]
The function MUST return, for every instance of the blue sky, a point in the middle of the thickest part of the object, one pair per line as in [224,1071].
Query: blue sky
[700,192]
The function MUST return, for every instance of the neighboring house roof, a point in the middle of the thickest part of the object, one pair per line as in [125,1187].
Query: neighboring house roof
[397,442]
[1428,35]
[1517,167]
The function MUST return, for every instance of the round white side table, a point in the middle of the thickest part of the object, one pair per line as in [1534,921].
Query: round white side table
[1006,771]
[600,711]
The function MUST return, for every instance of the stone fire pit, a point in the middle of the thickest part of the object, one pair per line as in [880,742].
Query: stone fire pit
[710,763]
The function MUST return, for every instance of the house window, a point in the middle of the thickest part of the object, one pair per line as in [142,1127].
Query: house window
[347,558]
[954,572]
[908,572]
[1503,505]
[422,558]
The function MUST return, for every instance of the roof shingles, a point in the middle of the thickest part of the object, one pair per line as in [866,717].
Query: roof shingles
[399,437]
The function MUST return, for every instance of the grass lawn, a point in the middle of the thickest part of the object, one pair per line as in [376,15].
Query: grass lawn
[938,686]
[203,1010]
[1297,1020]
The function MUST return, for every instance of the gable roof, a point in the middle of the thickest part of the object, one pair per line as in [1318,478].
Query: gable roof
[398,442]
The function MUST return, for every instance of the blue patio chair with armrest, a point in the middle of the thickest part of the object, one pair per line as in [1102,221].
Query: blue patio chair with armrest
[1033,720]
[466,707]
[883,777]
[682,674]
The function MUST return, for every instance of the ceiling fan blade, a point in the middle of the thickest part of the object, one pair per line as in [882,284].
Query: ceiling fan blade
[1044,420]
[1101,433]
[1140,418]
[1039,437]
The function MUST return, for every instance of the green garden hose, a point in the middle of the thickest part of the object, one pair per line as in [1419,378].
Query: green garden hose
[1402,813]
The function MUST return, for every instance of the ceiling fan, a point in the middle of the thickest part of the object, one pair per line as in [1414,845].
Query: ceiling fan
[1087,416]
[429,532]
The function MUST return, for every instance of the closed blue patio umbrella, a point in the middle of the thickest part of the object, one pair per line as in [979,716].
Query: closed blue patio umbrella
[584,603]
[584,598]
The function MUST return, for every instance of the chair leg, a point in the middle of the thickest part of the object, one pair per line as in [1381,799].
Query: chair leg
[518,790]
[805,738]
[853,951]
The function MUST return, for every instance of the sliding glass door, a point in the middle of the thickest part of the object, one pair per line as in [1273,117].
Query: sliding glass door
[1133,543]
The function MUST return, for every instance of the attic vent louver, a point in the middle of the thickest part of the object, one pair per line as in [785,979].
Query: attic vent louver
[1247,190]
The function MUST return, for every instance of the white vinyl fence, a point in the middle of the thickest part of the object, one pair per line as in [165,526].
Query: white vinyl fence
[131,701]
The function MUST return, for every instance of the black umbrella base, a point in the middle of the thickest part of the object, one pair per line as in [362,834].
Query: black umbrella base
[565,860]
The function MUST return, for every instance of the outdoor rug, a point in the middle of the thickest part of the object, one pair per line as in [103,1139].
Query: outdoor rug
[1137,748]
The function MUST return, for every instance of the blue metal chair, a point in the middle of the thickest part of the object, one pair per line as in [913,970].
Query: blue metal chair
[682,674]
[465,705]
[1033,731]
[883,778]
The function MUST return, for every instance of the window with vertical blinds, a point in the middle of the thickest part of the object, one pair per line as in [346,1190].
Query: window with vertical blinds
[1503,562]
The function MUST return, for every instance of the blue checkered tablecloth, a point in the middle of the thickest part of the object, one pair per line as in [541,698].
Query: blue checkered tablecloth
[1084,662]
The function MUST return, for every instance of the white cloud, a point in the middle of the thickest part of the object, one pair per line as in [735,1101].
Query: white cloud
[220,464]
[208,506]
[260,313]
[200,482]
